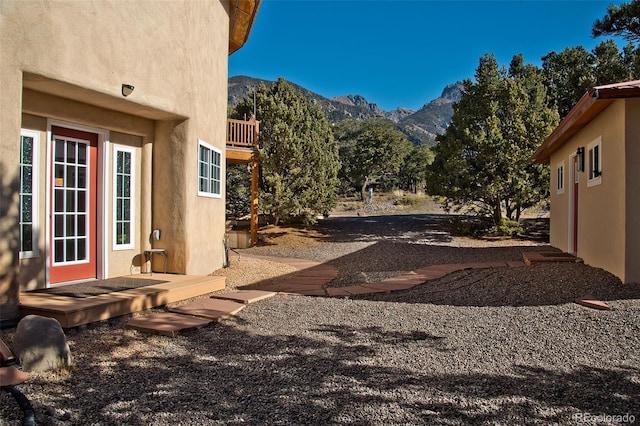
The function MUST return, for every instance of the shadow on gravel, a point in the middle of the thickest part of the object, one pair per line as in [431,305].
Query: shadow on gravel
[537,285]
[226,375]
[428,228]
[419,228]
[536,395]
[385,259]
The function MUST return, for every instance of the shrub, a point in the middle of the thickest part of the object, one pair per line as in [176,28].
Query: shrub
[406,201]
[479,227]
[508,227]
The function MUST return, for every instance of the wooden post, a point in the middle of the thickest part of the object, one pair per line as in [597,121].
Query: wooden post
[255,176]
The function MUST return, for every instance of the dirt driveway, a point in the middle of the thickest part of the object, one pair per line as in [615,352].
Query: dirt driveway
[498,347]
[373,248]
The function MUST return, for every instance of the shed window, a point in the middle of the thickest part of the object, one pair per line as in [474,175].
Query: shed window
[560,178]
[594,157]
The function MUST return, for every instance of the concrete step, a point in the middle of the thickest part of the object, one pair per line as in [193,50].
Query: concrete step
[531,257]
[166,323]
[245,296]
[592,302]
[213,309]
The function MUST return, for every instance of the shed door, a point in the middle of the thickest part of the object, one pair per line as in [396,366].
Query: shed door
[73,215]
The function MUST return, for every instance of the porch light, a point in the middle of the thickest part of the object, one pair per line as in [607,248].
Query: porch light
[580,155]
[127,89]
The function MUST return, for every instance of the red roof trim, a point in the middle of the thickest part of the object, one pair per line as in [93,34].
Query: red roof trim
[588,107]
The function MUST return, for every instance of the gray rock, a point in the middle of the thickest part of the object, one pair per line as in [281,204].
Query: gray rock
[41,344]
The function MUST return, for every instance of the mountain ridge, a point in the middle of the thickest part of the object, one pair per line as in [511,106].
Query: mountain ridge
[420,126]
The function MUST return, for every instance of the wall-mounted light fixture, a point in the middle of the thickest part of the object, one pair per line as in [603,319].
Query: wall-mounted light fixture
[127,89]
[580,155]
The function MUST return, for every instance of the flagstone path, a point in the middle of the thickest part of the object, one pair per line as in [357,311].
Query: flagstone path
[312,279]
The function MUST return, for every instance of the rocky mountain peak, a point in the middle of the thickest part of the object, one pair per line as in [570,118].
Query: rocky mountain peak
[421,127]
[453,92]
[360,101]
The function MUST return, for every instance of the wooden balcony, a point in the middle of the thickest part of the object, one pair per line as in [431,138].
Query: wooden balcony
[242,140]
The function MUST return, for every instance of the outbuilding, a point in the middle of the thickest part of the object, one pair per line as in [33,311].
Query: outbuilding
[594,156]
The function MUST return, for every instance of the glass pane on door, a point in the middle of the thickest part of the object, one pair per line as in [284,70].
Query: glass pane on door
[70,191]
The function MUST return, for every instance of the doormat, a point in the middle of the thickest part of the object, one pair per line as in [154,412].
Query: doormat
[98,287]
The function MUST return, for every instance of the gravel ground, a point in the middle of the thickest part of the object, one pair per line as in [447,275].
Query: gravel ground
[502,346]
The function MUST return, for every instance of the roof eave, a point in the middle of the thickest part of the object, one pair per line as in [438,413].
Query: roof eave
[242,15]
[584,111]
[589,106]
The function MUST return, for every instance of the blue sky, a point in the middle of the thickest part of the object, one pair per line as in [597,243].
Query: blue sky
[403,53]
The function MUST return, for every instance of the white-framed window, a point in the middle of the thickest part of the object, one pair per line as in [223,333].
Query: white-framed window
[209,170]
[560,178]
[29,172]
[123,197]
[594,163]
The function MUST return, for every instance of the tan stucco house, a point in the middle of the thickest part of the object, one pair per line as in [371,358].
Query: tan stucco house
[594,156]
[113,124]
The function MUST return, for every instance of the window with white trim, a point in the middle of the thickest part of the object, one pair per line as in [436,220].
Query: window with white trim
[594,165]
[29,143]
[560,178]
[209,170]
[123,199]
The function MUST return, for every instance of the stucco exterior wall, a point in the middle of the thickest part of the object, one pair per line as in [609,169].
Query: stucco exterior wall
[67,60]
[601,208]
[632,159]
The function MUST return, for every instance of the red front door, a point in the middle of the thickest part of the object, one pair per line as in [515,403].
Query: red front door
[72,242]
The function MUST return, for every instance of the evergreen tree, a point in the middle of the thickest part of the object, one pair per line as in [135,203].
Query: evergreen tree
[631,59]
[414,170]
[530,182]
[574,71]
[372,152]
[620,20]
[610,65]
[568,75]
[346,133]
[481,162]
[298,157]
[238,190]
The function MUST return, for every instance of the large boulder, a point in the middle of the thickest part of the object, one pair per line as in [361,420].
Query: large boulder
[40,344]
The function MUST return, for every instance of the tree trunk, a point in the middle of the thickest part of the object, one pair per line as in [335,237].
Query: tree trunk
[509,209]
[363,190]
[497,212]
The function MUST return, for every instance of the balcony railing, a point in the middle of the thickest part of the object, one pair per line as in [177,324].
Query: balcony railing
[242,134]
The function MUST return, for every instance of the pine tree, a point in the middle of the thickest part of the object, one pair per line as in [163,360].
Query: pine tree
[481,162]
[298,156]
[620,20]
[574,71]
[372,152]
